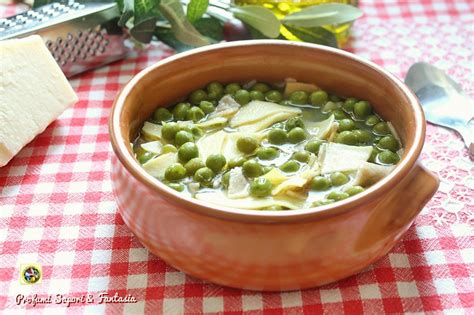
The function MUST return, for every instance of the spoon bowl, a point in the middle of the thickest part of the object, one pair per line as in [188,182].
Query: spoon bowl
[443,100]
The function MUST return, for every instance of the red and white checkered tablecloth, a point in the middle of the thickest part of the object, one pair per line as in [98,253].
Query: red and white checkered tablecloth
[57,207]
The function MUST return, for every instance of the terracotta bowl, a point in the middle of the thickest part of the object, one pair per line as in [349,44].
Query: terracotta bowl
[269,250]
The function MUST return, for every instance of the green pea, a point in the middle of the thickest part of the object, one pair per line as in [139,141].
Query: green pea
[354,190]
[195,114]
[247,144]
[302,156]
[372,120]
[388,143]
[267,153]
[388,157]
[216,162]
[273,96]
[180,111]
[373,155]
[338,179]
[334,98]
[207,107]
[362,109]
[339,114]
[349,104]
[225,179]
[299,97]
[193,165]
[322,202]
[296,135]
[320,183]
[313,146]
[175,171]
[346,124]
[215,88]
[293,123]
[162,114]
[182,137]
[236,162]
[381,128]
[169,130]
[204,175]
[168,148]
[232,88]
[319,98]
[346,137]
[337,195]
[260,187]
[362,136]
[290,166]
[144,156]
[329,107]
[267,169]
[213,96]
[257,96]
[252,169]
[197,97]
[261,87]
[242,97]
[188,151]
[277,136]
[176,186]
[197,132]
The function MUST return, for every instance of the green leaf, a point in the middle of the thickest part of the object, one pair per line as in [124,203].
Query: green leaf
[210,27]
[145,10]
[317,35]
[167,37]
[145,16]
[126,7]
[323,14]
[260,18]
[143,32]
[183,30]
[196,9]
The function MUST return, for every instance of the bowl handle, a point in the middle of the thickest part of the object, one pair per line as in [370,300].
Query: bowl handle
[396,211]
[413,193]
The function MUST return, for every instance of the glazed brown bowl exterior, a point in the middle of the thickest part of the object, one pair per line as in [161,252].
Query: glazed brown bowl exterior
[269,250]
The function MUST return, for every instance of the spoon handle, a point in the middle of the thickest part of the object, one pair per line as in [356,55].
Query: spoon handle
[467,133]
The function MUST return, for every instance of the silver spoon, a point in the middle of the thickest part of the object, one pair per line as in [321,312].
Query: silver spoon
[443,100]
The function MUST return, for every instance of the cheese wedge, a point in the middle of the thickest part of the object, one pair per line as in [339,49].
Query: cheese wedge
[370,173]
[238,184]
[211,144]
[33,93]
[265,122]
[336,157]
[156,167]
[320,129]
[151,131]
[258,110]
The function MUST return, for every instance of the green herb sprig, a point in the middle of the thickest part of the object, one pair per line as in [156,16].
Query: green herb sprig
[185,24]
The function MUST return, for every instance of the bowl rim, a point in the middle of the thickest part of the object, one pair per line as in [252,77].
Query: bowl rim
[401,170]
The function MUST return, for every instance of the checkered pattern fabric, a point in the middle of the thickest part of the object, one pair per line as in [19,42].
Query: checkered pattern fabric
[57,207]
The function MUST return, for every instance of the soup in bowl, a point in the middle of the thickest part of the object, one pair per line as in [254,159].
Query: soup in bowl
[268,165]
[255,145]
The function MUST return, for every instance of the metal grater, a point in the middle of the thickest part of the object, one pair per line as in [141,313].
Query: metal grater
[80,36]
